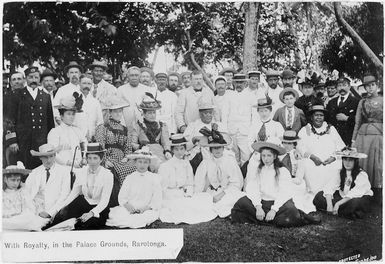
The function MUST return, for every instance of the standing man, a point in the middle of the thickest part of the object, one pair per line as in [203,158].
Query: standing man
[173,82]
[289,79]
[228,73]
[132,92]
[187,107]
[101,89]
[274,90]
[255,91]
[32,118]
[168,101]
[48,82]
[147,78]
[331,90]
[186,79]
[221,94]
[342,110]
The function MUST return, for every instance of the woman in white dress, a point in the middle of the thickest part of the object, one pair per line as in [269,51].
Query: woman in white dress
[140,197]
[219,175]
[180,203]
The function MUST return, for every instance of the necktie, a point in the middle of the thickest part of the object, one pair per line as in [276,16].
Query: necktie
[290,166]
[47,173]
[341,101]
[289,118]
[94,92]
[262,133]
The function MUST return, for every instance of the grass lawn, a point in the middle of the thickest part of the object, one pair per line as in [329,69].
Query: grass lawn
[335,239]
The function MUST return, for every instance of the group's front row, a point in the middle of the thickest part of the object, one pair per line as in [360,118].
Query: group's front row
[174,195]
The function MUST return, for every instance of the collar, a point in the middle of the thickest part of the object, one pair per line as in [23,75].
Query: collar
[93,171]
[31,89]
[266,121]
[141,173]
[52,167]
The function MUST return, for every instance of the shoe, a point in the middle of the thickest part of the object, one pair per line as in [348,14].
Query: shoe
[312,218]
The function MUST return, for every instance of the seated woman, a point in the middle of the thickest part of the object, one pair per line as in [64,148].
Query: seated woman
[180,204]
[350,195]
[269,196]
[90,196]
[140,197]
[66,137]
[152,133]
[18,208]
[219,175]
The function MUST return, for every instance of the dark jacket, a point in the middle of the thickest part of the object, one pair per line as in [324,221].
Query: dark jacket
[299,118]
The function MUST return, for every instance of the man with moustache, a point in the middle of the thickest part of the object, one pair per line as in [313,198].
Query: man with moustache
[48,83]
[32,118]
[343,109]
[147,78]
[289,80]
[173,82]
[273,91]
[222,94]
[186,79]
[168,101]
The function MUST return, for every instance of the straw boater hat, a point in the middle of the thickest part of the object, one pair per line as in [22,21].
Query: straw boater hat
[114,102]
[73,102]
[16,169]
[239,77]
[318,107]
[93,148]
[97,63]
[258,146]
[213,138]
[272,73]
[149,102]
[220,78]
[73,64]
[205,103]
[143,153]
[289,89]
[350,153]
[289,136]
[264,102]
[44,150]
[227,69]
[178,140]
[253,73]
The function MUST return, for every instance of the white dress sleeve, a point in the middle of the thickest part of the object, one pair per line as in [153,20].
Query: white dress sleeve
[284,189]
[361,187]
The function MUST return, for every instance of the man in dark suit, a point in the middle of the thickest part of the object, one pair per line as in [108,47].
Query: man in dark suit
[31,114]
[342,110]
[308,99]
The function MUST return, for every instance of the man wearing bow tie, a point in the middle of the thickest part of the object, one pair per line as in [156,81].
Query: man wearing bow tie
[343,109]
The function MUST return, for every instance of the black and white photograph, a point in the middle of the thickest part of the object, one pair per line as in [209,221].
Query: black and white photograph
[192,131]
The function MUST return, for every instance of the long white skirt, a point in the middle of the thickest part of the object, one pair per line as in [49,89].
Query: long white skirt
[223,206]
[316,177]
[120,217]
[26,221]
[191,210]
[302,198]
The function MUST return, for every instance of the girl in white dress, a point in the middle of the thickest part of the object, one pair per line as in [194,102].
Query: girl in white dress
[18,209]
[140,197]
[180,203]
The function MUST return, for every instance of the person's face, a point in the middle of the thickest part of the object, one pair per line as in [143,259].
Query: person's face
[33,79]
[116,114]
[186,80]
[272,82]
[48,83]
[173,82]
[239,86]
[289,100]
[149,115]
[107,78]
[217,151]
[17,81]
[288,82]
[48,161]
[73,75]
[206,115]
[179,151]
[348,163]
[343,88]
[93,160]
[288,146]
[134,77]
[97,74]
[268,156]
[371,88]
[307,89]
[264,113]
[221,87]
[142,164]
[161,82]
[13,181]
[253,82]
[197,81]
[331,90]
[229,77]
[145,78]
[68,117]
[318,118]
[85,85]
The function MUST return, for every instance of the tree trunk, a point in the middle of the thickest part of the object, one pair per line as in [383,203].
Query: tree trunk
[297,56]
[356,38]
[250,39]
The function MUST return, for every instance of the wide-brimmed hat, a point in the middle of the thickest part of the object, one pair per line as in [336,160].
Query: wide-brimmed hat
[288,74]
[348,152]
[72,103]
[264,102]
[272,73]
[97,63]
[304,81]
[44,150]
[48,72]
[149,102]
[368,79]
[258,146]
[213,138]
[178,140]
[143,153]
[73,64]
[289,136]
[93,148]
[16,169]
[205,103]
[253,73]
[318,107]
[146,69]
[227,69]
[113,102]
[239,77]
[288,90]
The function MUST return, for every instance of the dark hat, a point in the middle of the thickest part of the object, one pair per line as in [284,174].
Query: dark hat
[73,103]
[343,79]
[93,148]
[31,69]
[146,69]
[288,74]
[161,75]
[214,137]
[149,102]
[272,73]
[16,169]
[289,136]
[319,86]
[227,69]
[285,90]
[264,102]
[48,72]
[305,81]
[368,79]
[97,63]
[73,64]
[239,77]
[178,140]
[317,107]
[253,73]
[330,83]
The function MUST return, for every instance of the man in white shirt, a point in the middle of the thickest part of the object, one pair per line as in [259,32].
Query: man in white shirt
[274,90]
[168,101]
[228,73]
[132,92]
[173,82]
[147,78]
[186,79]
[222,95]
[255,90]
[49,184]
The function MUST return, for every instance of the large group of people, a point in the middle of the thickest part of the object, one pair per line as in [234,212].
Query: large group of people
[167,147]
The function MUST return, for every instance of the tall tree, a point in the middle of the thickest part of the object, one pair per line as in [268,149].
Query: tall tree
[250,42]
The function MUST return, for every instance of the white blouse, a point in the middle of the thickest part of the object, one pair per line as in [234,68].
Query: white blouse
[176,173]
[274,129]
